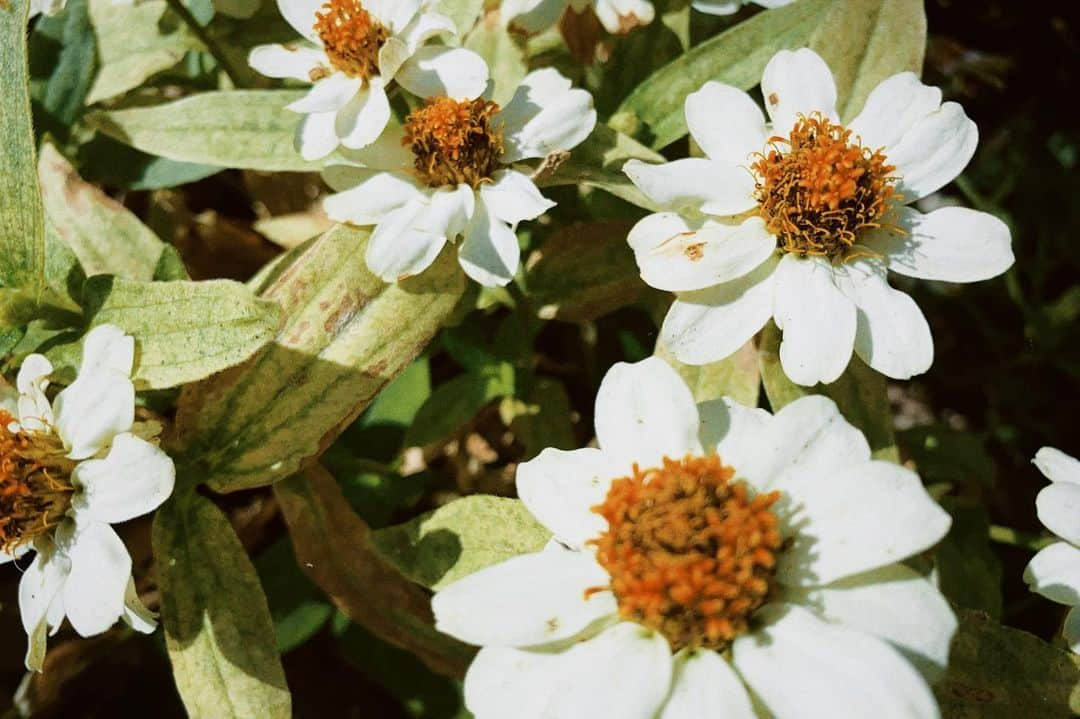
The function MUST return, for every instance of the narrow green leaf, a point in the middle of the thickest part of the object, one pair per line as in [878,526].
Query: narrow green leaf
[22,219]
[453,404]
[504,54]
[63,95]
[184,331]
[245,129]
[969,571]
[541,418]
[135,42]
[218,629]
[344,339]
[103,234]
[460,538]
[996,672]
[737,376]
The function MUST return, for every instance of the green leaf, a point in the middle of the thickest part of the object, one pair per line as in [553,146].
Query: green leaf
[218,629]
[453,404]
[402,398]
[471,533]
[104,235]
[105,161]
[63,94]
[343,341]
[22,219]
[334,548]
[135,42]
[504,54]
[245,129]
[184,331]
[969,571]
[584,271]
[996,672]
[297,607]
[541,418]
[737,376]
[860,393]
[464,13]
[863,41]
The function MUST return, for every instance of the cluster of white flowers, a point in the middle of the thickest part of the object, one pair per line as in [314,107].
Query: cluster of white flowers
[68,470]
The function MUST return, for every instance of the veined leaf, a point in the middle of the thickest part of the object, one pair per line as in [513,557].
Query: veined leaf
[471,533]
[737,376]
[245,129]
[22,219]
[347,335]
[218,628]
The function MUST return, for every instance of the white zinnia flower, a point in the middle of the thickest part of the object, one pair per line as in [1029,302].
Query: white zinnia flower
[701,547]
[355,50]
[800,221]
[1055,571]
[447,173]
[67,471]
[617,16]
[730,7]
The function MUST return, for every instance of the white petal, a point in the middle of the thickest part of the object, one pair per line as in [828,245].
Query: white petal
[704,685]
[328,95]
[136,615]
[673,256]
[645,412]
[1059,509]
[294,62]
[1071,630]
[800,666]
[134,478]
[490,253]
[35,412]
[375,197]
[726,123]
[954,244]
[711,324]
[797,83]
[505,682]
[806,439]
[1055,573]
[933,152]
[100,569]
[92,410]
[620,16]
[1057,466]
[395,14]
[301,15]
[897,103]
[398,248]
[315,136]
[623,672]
[106,347]
[360,122]
[444,71]
[545,116]
[695,183]
[817,319]
[854,519]
[893,603]
[532,16]
[513,197]
[41,582]
[717,7]
[16,553]
[560,488]
[425,26]
[734,431]
[532,599]
[393,54]
[891,335]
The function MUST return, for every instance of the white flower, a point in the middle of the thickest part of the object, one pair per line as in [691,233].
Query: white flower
[354,50]
[701,547]
[447,173]
[800,222]
[730,7]
[67,471]
[1055,571]
[617,16]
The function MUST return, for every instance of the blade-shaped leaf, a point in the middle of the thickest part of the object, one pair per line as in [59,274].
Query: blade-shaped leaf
[70,71]
[347,334]
[218,628]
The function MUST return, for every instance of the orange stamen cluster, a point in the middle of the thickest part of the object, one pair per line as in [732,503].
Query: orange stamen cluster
[690,553]
[351,37]
[819,192]
[34,488]
[454,141]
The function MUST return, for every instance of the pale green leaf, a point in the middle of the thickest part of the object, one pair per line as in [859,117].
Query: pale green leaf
[737,376]
[460,538]
[343,341]
[246,129]
[218,629]
[504,54]
[464,13]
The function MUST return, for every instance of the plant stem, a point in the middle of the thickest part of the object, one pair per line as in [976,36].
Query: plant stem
[1016,538]
[235,76]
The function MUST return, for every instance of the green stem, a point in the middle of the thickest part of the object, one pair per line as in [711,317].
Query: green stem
[235,75]
[1016,538]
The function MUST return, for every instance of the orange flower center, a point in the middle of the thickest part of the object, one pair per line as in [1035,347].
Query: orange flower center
[351,37]
[35,486]
[454,142]
[817,189]
[690,553]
